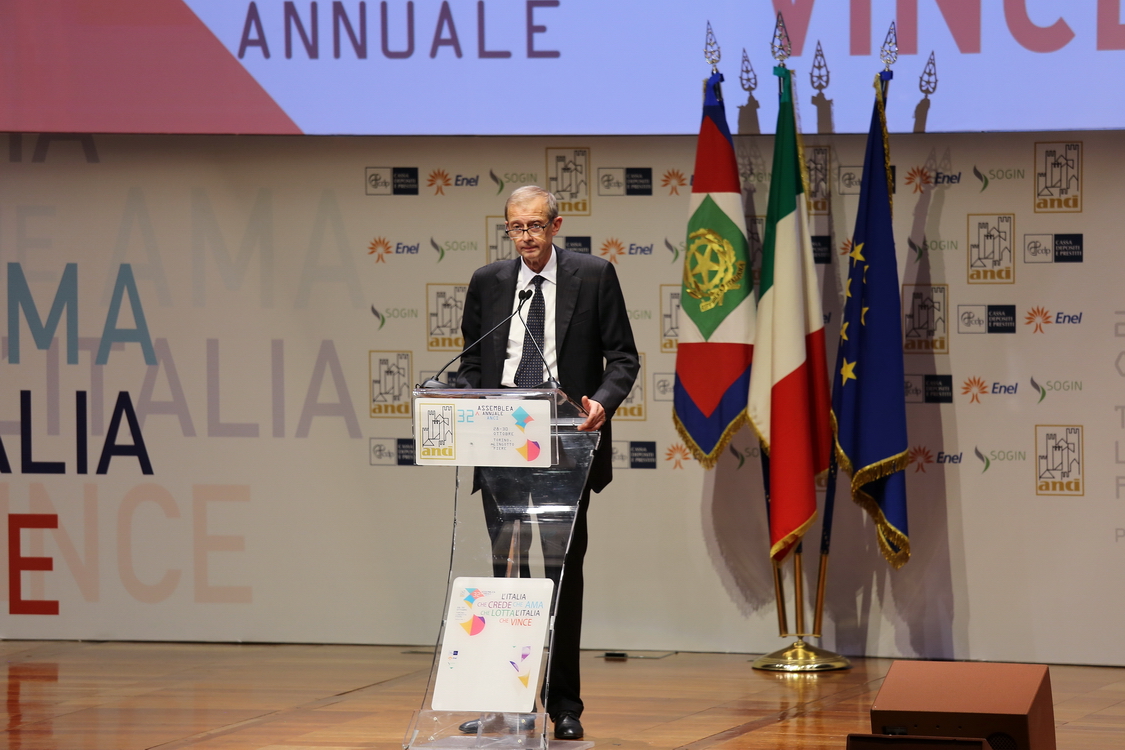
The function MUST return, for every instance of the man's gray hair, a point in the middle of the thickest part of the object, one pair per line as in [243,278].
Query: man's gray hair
[528,193]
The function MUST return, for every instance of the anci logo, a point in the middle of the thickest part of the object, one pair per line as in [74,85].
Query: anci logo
[1055,386]
[925,313]
[381,247]
[987,457]
[633,407]
[445,304]
[1058,461]
[568,177]
[991,240]
[670,313]
[1058,177]
[673,179]
[389,374]
[391,180]
[818,161]
[988,176]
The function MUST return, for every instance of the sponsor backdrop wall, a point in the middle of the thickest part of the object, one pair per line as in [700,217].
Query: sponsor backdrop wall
[211,341]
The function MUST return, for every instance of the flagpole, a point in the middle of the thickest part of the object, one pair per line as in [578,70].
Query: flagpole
[778,585]
[798,656]
[889,55]
[825,542]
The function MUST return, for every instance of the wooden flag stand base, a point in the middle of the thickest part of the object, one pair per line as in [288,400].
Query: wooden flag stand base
[800,656]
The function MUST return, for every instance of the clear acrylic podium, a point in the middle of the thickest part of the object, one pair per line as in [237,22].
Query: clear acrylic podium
[521,467]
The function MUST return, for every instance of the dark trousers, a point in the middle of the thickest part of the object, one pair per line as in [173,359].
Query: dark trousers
[564,684]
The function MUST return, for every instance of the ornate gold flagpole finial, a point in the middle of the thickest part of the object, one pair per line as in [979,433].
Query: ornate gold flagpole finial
[748,78]
[711,52]
[927,82]
[819,75]
[780,46]
[888,53]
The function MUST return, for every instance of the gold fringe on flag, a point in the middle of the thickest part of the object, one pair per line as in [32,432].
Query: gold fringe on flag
[890,537]
[708,460]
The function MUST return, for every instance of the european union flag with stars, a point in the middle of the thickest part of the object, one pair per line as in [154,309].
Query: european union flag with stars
[868,396]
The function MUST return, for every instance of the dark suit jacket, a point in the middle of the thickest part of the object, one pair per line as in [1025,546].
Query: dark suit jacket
[593,339]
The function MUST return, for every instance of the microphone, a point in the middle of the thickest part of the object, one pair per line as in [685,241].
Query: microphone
[550,382]
[433,382]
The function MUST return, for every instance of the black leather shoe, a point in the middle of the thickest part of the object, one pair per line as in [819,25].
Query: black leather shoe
[568,727]
[472,726]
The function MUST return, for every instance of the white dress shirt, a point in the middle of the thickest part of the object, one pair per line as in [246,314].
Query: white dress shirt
[518,328]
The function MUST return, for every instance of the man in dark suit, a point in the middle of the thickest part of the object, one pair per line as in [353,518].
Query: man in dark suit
[588,346]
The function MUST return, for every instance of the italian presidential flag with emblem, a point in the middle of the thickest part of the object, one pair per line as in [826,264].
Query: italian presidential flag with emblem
[716,330]
[789,399]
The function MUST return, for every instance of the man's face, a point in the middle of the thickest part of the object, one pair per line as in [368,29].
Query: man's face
[535,251]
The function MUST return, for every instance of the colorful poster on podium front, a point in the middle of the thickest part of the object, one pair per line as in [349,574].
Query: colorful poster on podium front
[492,649]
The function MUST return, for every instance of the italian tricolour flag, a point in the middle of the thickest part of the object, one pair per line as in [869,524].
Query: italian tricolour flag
[716,327]
[789,405]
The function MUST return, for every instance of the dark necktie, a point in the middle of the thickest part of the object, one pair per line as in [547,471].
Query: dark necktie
[530,372]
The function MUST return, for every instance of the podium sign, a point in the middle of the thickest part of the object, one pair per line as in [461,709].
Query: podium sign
[482,432]
[492,648]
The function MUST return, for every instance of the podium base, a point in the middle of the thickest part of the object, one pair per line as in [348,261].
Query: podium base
[801,657]
[510,742]
[441,730]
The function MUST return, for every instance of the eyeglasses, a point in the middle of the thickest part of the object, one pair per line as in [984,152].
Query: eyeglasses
[535,230]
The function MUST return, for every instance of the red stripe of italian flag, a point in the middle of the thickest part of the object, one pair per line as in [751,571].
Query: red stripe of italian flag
[789,404]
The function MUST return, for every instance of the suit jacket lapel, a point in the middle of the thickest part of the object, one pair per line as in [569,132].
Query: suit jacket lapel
[501,308]
[566,299]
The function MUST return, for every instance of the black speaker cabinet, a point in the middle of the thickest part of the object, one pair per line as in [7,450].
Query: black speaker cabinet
[1009,705]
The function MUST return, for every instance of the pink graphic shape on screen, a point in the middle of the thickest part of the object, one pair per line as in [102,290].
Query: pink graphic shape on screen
[129,66]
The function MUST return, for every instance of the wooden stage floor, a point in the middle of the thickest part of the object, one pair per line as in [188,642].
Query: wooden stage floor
[127,696]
